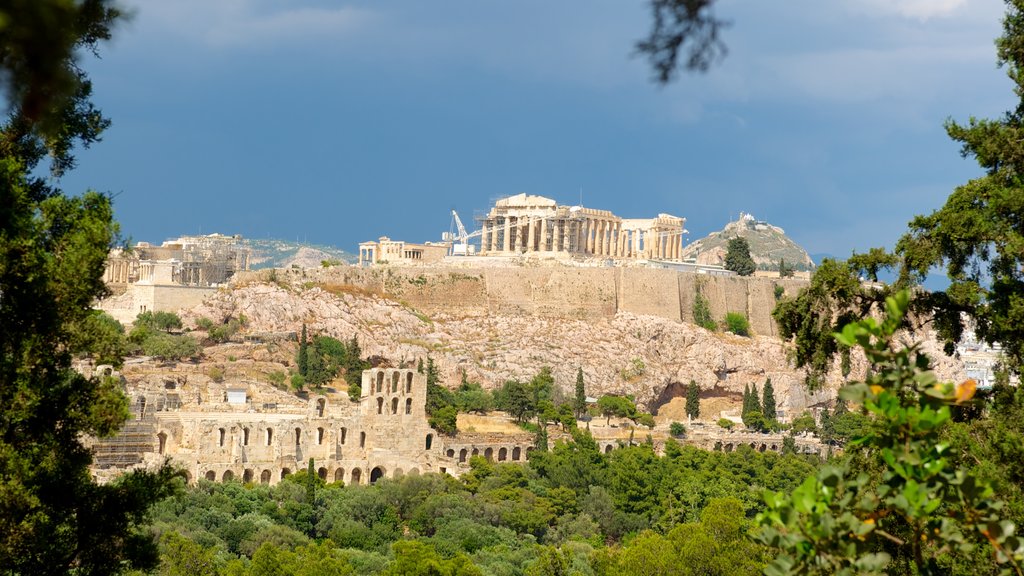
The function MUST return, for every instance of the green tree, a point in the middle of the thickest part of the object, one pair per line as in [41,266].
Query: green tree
[702,311]
[580,399]
[768,405]
[870,264]
[737,257]
[445,420]
[693,400]
[922,511]
[54,518]
[617,406]
[785,271]
[302,359]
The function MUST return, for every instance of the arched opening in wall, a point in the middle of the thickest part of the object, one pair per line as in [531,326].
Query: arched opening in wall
[322,473]
[380,405]
[344,432]
[728,447]
[414,472]
[718,446]
[450,453]
[462,455]
[221,434]
[608,449]
[362,439]
[161,439]
[270,436]
[265,477]
[476,452]
[774,448]
[394,382]
[408,405]
[380,382]
[752,446]
[762,448]
[376,474]
[489,454]
[228,476]
[298,436]
[285,472]
[394,405]
[430,441]
[516,454]
[502,454]
[319,436]
[320,404]
[211,476]
[339,475]
[245,436]
[357,475]
[247,476]
[408,382]
[397,473]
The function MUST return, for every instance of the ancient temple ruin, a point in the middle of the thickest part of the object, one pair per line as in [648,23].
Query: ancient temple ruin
[534,224]
[187,261]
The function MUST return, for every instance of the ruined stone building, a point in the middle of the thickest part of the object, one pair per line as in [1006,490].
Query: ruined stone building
[177,274]
[186,261]
[527,224]
[255,433]
[399,252]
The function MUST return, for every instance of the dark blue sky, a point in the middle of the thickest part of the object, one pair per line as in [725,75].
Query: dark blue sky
[337,122]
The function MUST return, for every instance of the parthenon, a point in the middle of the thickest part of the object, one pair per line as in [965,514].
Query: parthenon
[527,223]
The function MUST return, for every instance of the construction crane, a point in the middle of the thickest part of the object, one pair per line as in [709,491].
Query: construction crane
[460,239]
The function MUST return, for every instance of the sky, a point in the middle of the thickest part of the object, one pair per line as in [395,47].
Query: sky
[334,122]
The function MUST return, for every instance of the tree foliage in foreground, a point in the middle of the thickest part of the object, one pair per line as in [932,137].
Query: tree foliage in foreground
[920,512]
[54,519]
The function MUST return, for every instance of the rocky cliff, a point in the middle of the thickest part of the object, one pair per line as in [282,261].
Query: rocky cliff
[511,329]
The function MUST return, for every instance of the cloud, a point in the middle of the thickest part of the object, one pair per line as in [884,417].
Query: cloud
[244,23]
[919,9]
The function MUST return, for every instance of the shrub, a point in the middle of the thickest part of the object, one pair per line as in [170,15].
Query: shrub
[277,378]
[677,429]
[725,423]
[216,373]
[702,312]
[355,391]
[737,323]
[170,347]
[444,420]
[298,382]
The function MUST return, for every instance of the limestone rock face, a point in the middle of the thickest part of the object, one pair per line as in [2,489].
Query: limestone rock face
[623,354]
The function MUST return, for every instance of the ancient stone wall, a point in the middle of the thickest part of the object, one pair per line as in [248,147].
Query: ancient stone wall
[564,291]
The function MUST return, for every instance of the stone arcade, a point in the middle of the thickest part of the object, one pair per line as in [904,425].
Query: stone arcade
[384,434]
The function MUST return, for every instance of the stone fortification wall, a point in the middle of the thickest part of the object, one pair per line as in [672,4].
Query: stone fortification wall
[570,292]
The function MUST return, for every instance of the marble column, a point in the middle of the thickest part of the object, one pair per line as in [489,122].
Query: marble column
[531,235]
[556,243]
[506,245]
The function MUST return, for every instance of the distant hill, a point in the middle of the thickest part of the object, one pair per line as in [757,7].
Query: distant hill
[768,244]
[282,254]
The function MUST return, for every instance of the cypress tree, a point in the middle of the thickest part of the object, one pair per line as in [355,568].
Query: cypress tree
[310,483]
[693,400]
[580,401]
[755,400]
[768,404]
[303,359]
[746,400]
